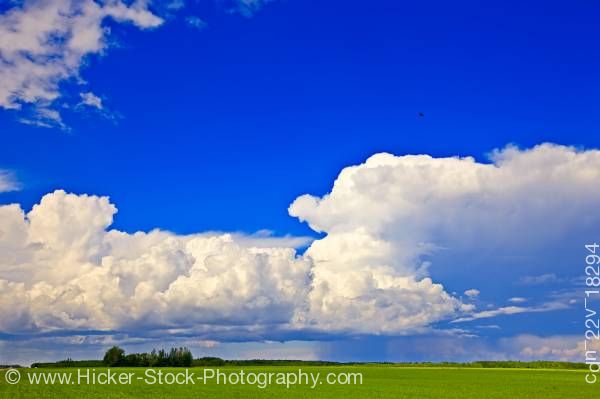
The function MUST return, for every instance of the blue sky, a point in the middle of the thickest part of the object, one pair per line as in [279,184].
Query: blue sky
[220,128]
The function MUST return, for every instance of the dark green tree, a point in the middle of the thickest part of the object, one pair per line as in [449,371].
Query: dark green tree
[186,358]
[114,356]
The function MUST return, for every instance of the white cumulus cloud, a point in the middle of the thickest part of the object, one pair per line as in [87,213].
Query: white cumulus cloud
[63,268]
[384,215]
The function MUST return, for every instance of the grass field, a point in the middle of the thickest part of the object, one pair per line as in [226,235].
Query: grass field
[378,382]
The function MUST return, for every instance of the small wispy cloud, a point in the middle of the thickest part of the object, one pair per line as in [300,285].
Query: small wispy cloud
[175,4]
[517,299]
[547,278]
[91,100]
[249,7]
[196,22]
[510,310]
[40,116]
[488,327]
[8,181]
[91,103]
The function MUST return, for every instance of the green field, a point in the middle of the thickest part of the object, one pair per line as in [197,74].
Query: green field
[378,382]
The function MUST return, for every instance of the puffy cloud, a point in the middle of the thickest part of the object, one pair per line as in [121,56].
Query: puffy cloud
[383,216]
[8,182]
[63,268]
[45,42]
[472,293]
[423,201]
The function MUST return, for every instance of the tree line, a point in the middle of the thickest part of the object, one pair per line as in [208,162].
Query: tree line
[182,357]
[176,357]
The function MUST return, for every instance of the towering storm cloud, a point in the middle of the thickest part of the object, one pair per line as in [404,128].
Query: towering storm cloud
[63,269]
